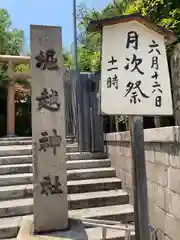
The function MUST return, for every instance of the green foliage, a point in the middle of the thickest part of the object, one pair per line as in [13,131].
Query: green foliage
[5,24]
[88,60]
[23,68]
[11,40]
[15,42]
[11,43]
[3,77]
[89,44]
[163,12]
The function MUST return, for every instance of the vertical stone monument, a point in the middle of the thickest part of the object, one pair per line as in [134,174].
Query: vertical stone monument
[48,130]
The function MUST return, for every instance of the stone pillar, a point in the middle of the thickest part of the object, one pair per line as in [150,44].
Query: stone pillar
[175,75]
[10,104]
[48,130]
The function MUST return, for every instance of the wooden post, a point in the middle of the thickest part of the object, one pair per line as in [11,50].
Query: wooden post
[139,178]
[97,118]
[11,111]
[157,122]
[48,130]
[10,104]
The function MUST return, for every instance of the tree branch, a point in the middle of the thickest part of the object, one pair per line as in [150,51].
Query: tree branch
[116,5]
[95,14]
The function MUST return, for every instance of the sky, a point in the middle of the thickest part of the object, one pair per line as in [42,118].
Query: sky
[46,12]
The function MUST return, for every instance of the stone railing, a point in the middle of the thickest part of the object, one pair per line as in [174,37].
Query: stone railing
[162,151]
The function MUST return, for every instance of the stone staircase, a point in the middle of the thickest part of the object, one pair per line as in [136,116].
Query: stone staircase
[93,189]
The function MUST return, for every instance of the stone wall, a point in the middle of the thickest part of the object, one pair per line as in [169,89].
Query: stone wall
[162,148]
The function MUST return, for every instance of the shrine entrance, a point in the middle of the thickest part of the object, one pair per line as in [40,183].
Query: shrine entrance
[84,124]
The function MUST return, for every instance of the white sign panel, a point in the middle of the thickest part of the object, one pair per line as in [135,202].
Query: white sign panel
[135,76]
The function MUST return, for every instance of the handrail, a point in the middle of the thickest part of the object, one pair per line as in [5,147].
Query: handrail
[110,224]
[105,221]
[105,224]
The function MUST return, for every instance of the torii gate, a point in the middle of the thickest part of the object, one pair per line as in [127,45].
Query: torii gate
[13,60]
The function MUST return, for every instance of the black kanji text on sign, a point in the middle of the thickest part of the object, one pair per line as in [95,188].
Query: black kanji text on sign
[155,63]
[112,81]
[135,62]
[134,89]
[158,101]
[112,62]
[154,46]
[132,39]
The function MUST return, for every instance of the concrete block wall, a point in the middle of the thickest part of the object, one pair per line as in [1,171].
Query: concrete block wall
[162,151]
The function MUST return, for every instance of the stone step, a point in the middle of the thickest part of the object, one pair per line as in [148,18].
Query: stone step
[86,155]
[71,148]
[23,159]
[94,185]
[11,144]
[24,148]
[15,139]
[79,174]
[15,159]
[9,226]
[95,233]
[72,154]
[82,164]
[16,191]
[68,140]
[16,168]
[14,179]
[15,143]
[97,199]
[77,164]
[124,213]
[20,207]
[77,186]
[15,150]
[9,238]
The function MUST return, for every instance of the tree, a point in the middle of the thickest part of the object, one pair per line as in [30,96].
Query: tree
[89,44]
[166,13]
[163,12]
[11,43]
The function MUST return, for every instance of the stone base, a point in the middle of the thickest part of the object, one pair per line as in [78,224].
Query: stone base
[9,135]
[76,231]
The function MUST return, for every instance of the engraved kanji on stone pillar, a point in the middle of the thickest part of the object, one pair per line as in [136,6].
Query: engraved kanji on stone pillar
[48,130]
